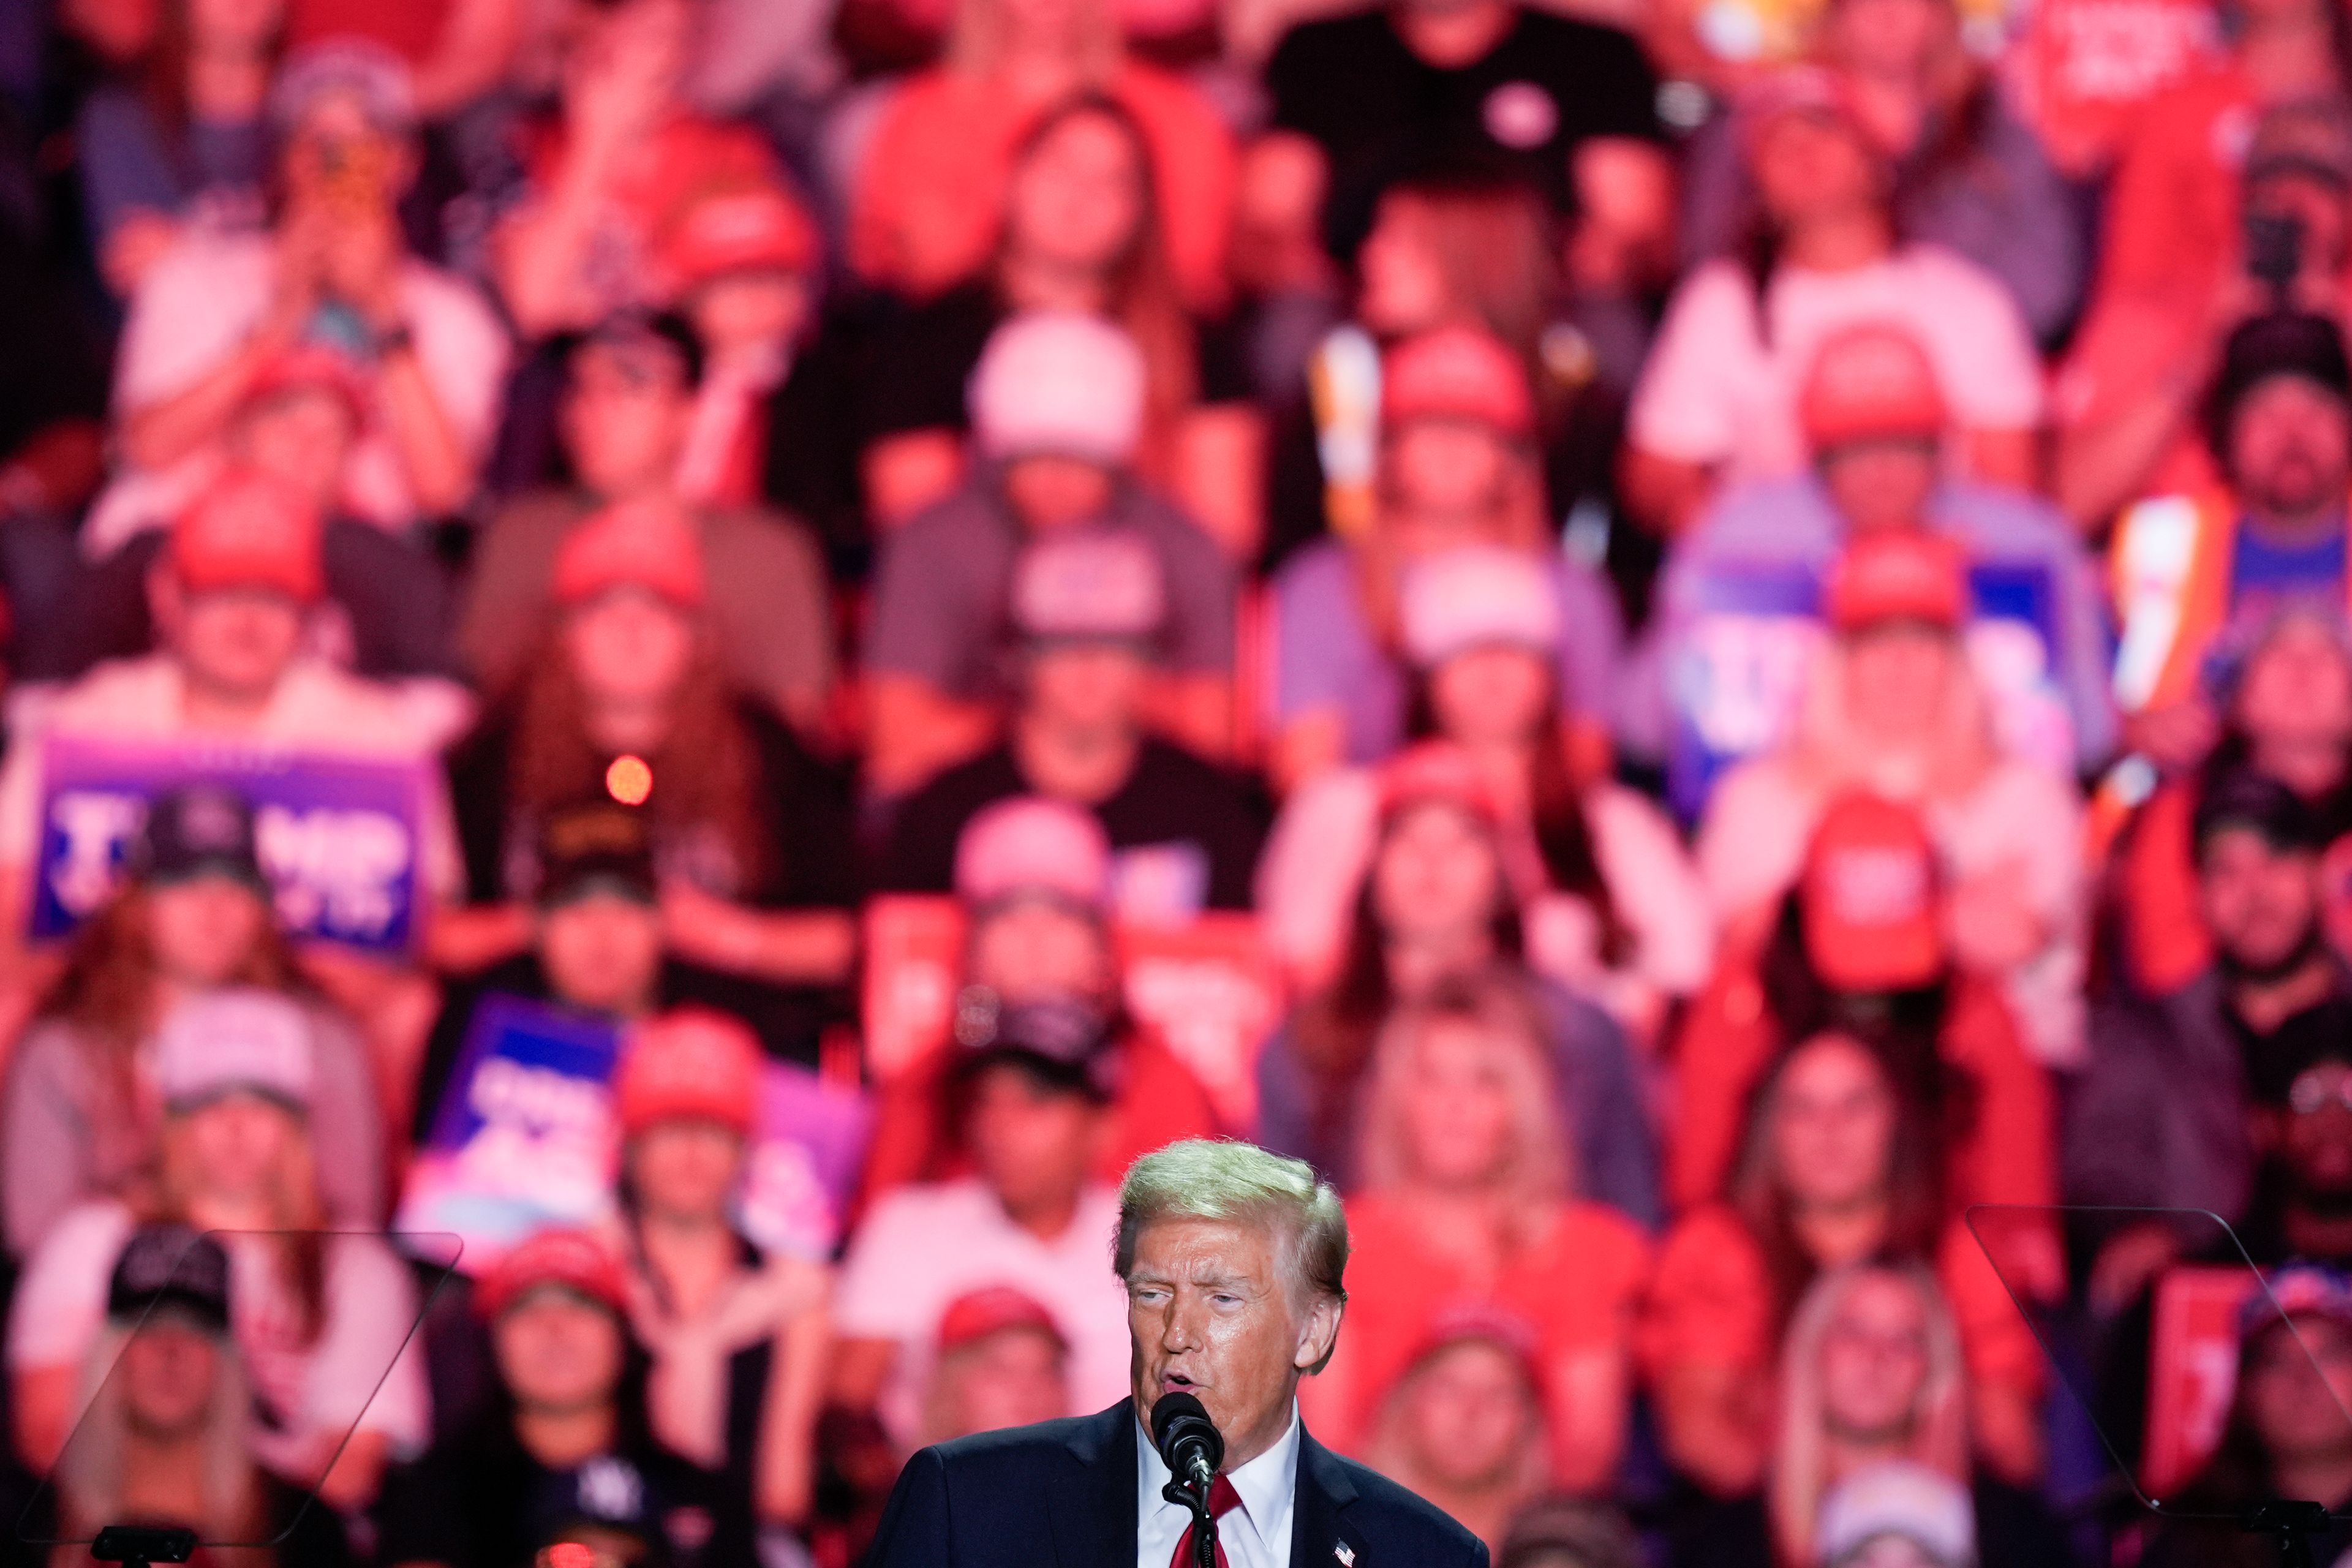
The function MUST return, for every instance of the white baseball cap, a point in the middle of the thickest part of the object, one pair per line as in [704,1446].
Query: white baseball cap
[1055,382]
[1479,595]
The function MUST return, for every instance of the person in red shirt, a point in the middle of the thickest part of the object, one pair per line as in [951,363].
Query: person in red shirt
[2235,200]
[1035,876]
[1465,1425]
[1859,945]
[930,196]
[620,156]
[1839,1165]
[1467,1200]
[2290,721]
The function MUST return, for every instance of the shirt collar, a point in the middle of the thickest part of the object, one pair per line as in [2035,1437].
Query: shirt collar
[1267,1485]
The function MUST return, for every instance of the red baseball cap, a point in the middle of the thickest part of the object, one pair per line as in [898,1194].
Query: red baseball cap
[1869,896]
[312,366]
[1872,383]
[1898,574]
[632,544]
[749,228]
[250,531]
[576,1260]
[1460,373]
[1438,771]
[1808,89]
[694,1062]
[1031,844]
[993,1308]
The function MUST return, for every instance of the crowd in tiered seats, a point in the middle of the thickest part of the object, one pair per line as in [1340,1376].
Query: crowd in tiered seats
[674,669]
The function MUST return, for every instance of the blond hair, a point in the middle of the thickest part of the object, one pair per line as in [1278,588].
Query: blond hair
[92,1469]
[1226,1179]
[1512,1040]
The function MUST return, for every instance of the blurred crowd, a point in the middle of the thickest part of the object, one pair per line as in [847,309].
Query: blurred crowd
[1731,619]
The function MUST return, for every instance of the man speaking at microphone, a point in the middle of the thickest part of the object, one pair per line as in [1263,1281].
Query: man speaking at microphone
[1234,1260]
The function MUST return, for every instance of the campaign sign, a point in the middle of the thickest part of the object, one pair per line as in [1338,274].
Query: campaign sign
[1737,680]
[2012,642]
[1211,993]
[523,1137]
[526,1136]
[914,960]
[804,1169]
[2192,1370]
[338,835]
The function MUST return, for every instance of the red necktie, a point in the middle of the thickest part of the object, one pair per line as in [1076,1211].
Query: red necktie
[1223,1500]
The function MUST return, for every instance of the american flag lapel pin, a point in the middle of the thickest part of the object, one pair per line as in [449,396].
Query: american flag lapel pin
[1346,1555]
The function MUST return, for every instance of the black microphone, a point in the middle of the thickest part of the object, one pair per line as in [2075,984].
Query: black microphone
[1189,1441]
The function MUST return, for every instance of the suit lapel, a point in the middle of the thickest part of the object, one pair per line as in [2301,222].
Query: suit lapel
[1093,1516]
[1320,1536]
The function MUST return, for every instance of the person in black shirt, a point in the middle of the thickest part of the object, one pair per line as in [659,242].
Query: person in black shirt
[171,1397]
[1088,606]
[2159,1118]
[566,1452]
[1383,90]
[627,700]
[597,945]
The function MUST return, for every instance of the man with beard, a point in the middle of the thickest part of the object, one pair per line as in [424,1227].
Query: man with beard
[2190,570]
[2161,1117]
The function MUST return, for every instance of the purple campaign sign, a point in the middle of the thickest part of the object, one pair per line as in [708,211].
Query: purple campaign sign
[805,1166]
[339,836]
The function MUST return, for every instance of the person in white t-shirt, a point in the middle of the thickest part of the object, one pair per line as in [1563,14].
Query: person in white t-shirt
[218,309]
[1717,402]
[1033,1217]
[321,1317]
[232,595]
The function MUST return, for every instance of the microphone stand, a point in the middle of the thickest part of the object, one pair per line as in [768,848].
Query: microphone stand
[1193,1492]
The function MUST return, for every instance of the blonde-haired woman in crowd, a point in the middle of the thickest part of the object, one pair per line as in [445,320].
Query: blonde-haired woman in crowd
[1466,1204]
[169,1407]
[321,1315]
[1872,1442]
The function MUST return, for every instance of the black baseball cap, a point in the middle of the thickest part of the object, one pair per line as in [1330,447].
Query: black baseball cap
[2244,798]
[169,1267]
[598,847]
[2281,343]
[1064,1043]
[197,830]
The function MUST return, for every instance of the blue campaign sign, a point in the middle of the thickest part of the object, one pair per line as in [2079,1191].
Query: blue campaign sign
[1735,680]
[527,1136]
[523,1136]
[339,837]
[2013,646]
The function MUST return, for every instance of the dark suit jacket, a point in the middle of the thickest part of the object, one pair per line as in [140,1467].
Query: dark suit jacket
[1063,1493]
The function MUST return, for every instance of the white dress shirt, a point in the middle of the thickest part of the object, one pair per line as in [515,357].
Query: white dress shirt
[1255,1535]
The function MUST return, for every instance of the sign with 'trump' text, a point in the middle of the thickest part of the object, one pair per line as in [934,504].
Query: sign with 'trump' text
[338,835]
